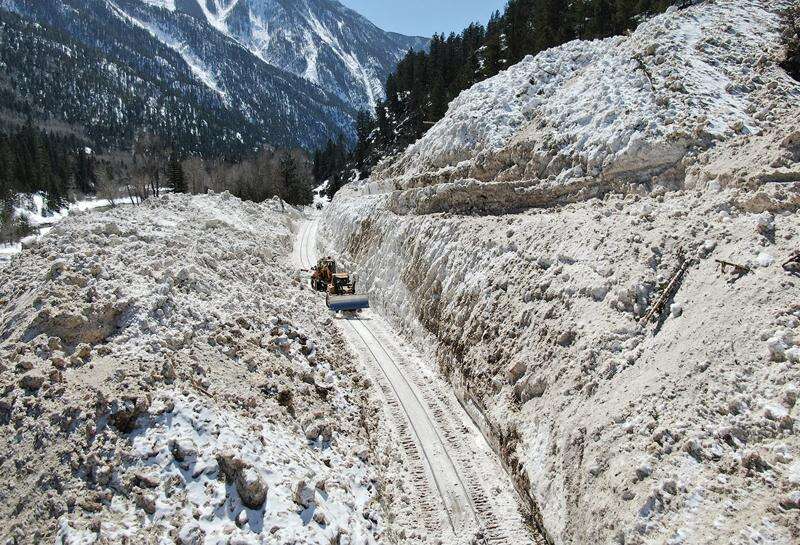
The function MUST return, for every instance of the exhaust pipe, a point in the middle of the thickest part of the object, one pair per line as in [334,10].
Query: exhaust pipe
[344,303]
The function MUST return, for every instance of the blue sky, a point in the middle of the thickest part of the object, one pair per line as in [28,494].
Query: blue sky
[425,17]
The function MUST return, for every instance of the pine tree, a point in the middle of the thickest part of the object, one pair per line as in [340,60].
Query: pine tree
[6,169]
[493,48]
[82,178]
[296,189]
[365,126]
[175,175]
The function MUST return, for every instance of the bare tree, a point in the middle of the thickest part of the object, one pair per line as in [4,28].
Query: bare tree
[197,177]
[149,158]
[107,184]
[262,177]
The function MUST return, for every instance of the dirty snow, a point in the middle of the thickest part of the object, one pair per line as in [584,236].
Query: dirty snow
[524,239]
[166,377]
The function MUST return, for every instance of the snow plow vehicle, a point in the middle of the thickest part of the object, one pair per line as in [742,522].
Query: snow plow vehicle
[339,287]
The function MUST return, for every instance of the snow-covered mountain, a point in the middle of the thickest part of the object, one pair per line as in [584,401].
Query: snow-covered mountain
[319,40]
[219,76]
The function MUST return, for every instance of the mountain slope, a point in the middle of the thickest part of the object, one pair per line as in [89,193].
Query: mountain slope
[188,72]
[319,40]
[117,66]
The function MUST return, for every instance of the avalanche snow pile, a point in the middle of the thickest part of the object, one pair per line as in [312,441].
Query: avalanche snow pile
[165,378]
[525,239]
[582,119]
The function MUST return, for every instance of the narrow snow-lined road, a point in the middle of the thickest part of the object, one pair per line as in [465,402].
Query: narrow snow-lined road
[463,491]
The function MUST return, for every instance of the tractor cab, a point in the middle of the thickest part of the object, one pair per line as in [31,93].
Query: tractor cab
[323,273]
[342,285]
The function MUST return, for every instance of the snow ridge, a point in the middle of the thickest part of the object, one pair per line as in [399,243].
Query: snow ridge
[622,108]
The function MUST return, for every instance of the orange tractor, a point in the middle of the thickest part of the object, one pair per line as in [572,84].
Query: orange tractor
[339,288]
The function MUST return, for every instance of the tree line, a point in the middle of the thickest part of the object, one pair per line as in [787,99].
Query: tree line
[153,166]
[32,160]
[61,168]
[424,83]
[271,172]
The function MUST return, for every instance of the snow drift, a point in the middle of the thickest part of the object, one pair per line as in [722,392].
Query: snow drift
[524,239]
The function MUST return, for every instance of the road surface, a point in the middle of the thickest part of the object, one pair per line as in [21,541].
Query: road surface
[463,490]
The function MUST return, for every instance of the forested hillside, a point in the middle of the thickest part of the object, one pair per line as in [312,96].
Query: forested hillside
[423,85]
[89,64]
[32,161]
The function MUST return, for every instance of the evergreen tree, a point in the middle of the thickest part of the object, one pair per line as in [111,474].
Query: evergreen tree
[365,126]
[175,175]
[85,180]
[6,169]
[296,190]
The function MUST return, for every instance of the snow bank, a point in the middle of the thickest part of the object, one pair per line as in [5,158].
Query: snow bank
[683,429]
[7,251]
[604,114]
[34,209]
[524,239]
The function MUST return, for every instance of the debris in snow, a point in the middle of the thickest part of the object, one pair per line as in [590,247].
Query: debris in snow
[560,196]
[303,494]
[765,224]
[31,381]
[778,344]
[132,372]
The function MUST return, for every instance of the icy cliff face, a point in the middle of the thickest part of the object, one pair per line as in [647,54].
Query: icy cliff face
[527,236]
[630,108]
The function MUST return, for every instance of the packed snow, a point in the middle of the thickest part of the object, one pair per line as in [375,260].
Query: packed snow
[527,238]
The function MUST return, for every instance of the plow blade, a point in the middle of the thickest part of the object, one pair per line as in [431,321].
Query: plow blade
[344,303]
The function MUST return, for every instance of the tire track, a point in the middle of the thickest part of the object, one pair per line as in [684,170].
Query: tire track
[420,470]
[450,473]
